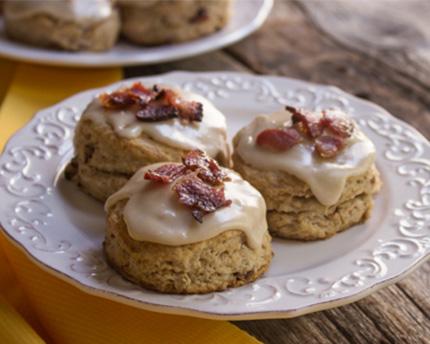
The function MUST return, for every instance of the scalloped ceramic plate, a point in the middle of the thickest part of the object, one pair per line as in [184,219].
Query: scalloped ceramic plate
[61,228]
[247,17]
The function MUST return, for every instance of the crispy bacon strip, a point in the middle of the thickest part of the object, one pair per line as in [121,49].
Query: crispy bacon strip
[190,111]
[329,146]
[155,113]
[143,94]
[117,100]
[166,174]
[338,123]
[280,139]
[208,169]
[306,121]
[329,131]
[192,179]
[153,104]
[198,196]
[334,120]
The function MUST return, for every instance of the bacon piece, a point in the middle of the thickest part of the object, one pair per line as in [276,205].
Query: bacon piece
[329,132]
[168,105]
[198,196]
[145,95]
[306,121]
[280,139]
[117,100]
[188,110]
[166,174]
[207,168]
[155,113]
[191,178]
[166,97]
[329,146]
[126,96]
[155,104]
[338,123]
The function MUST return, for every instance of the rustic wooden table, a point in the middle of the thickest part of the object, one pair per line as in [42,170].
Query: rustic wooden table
[376,50]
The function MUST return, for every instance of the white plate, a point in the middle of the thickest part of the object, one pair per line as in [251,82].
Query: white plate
[61,228]
[248,16]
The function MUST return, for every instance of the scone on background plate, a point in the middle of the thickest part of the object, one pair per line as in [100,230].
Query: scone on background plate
[316,171]
[156,22]
[75,25]
[139,125]
[187,228]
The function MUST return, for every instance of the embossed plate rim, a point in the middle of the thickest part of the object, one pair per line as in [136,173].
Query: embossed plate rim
[219,86]
[124,53]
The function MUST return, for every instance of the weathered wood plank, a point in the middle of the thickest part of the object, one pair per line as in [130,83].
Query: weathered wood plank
[208,62]
[291,46]
[356,326]
[312,328]
[396,316]
[386,316]
[417,287]
[394,32]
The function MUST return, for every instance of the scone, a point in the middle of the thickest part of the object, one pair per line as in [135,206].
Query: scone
[74,25]
[139,125]
[187,228]
[157,22]
[316,171]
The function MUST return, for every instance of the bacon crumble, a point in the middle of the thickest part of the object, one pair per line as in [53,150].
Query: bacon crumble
[280,139]
[142,94]
[116,100]
[329,146]
[203,199]
[190,111]
[153,105]
[306,122]
[196,180]
[208,169]
[328,132]
[166,174]
[337,123]
[156,113]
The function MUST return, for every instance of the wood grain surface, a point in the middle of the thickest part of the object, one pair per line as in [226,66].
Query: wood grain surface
[376,50]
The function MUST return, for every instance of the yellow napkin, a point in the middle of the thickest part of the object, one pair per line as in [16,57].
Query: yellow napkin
[7,70]
[49,309]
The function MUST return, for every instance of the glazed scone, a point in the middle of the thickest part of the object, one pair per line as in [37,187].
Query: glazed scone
[316,171]
[158,22]
[164,233]
[113,140]
[74,25]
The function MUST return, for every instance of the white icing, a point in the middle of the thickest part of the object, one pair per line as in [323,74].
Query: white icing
[325,177]
[208,135]
[75,10]
[153,212]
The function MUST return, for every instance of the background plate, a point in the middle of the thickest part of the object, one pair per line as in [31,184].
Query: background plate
[62,229]
[248,16]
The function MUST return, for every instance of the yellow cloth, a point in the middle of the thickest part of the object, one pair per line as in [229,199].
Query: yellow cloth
[42,308]
[14,329]
[7,70]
